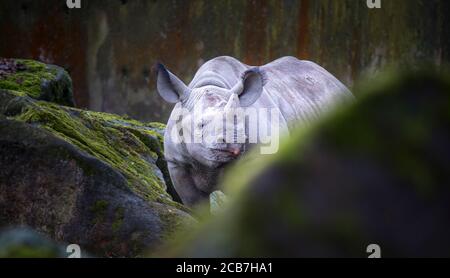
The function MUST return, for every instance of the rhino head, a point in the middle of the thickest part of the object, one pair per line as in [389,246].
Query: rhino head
[213,128]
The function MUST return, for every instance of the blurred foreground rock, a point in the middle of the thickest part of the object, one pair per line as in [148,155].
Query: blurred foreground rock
[376,173]
[26,243]
[94,179]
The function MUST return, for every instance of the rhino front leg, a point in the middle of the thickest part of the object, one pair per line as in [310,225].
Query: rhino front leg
[185,186]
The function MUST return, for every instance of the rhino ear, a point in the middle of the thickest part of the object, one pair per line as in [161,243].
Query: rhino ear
[249,89]
[170,87]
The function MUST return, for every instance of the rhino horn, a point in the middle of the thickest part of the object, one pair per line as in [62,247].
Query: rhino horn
[233,102]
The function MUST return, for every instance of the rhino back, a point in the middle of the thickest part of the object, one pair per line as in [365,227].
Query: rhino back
[301,90]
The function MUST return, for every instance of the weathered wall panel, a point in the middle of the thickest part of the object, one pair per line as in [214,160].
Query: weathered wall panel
[110,46]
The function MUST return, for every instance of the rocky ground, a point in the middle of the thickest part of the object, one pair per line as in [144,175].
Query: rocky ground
[99,180]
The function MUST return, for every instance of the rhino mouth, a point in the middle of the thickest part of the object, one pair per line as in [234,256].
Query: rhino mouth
[220,150]
[229,152]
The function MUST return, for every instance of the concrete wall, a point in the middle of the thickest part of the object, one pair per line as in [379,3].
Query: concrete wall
[110,46]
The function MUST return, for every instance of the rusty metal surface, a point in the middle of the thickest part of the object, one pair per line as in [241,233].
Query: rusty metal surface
[109,47]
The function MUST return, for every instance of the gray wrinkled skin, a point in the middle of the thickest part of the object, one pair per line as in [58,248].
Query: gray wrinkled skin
[299,91]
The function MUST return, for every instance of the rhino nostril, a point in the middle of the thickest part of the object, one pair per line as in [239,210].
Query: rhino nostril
[235,151]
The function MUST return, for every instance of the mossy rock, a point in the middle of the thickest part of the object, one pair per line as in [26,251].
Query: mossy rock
[89,178]
[38,80]
[374,173]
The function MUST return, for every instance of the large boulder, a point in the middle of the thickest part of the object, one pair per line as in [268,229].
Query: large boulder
[37,80]
[94,179]
[375,173]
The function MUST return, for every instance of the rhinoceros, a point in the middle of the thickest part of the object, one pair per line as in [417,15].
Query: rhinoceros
[295,91]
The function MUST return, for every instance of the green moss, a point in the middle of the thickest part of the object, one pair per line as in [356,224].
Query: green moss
[40,81]
[28,80]
[11,93]
[157,125]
